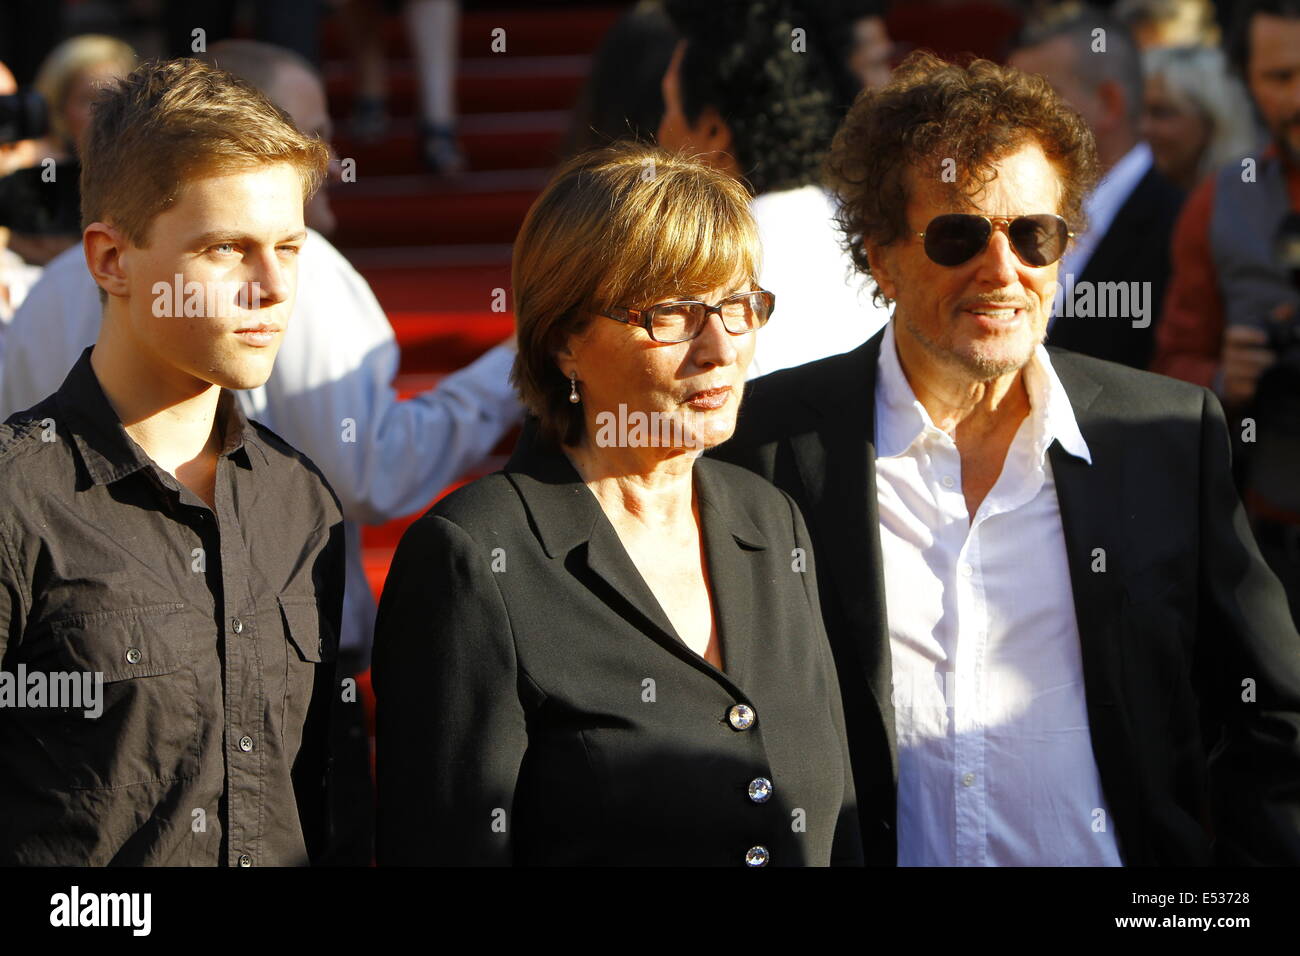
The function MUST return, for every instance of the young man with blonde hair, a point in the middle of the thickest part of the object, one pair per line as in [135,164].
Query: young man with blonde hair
[179,564]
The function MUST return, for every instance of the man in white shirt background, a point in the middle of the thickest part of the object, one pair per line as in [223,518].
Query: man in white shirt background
[330,395]
[1056,640]
[1095,66]
[757,100]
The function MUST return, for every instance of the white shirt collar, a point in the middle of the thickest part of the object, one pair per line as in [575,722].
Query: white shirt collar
[901,418]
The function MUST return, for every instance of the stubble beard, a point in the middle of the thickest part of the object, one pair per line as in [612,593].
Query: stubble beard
[975,366]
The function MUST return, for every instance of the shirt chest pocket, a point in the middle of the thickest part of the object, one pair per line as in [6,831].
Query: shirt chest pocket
[138,720]
[311,643]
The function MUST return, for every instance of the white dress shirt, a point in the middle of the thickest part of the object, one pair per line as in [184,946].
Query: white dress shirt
[336,365]
[823,305]
[1101,206]
[995,762]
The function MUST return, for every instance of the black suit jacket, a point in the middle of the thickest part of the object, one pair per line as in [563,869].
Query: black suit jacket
[1183,614]
[536,706]
[1134,249]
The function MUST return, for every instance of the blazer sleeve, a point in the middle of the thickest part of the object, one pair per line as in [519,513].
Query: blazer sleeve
[450,726]
[846,849]
[1248,659]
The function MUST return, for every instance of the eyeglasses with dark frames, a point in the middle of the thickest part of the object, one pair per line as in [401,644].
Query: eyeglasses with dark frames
[672,322]
[955,238]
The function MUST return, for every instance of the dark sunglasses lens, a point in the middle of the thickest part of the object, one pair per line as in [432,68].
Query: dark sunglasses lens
[1039,240]
[953,239]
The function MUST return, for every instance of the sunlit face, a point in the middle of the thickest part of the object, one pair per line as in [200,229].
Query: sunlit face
[985,317]
[224,233]
[1176,130]
[1273,75]
[619,364]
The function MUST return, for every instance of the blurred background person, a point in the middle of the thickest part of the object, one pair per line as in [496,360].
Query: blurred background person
[16,276]
[872,52]
[741,94]
[1232,322]
[1169,23]
[1132,211]
[433,28]
[622,97]
[1196,116]
[41,204]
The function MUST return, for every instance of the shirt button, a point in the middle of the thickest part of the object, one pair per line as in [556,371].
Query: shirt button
[245,744]
[760,789]
[741,716]
[948,481]
[967,570]
[237,625]
[133,655]
[967,779]
[245,860]
[757,856]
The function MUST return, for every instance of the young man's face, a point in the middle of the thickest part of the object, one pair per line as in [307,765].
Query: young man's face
[1273,74]
[233,239]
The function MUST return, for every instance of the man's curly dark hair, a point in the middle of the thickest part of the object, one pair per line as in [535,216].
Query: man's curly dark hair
[781,105]
[933,111]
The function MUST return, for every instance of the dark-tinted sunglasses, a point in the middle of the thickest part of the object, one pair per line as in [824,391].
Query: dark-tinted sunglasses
[955,238]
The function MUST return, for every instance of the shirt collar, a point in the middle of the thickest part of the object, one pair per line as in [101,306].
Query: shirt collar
[901,418]
[1116,186]
[108,452]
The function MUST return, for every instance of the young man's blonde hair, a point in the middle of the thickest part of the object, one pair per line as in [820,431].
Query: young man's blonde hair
[623,226]
[170,121]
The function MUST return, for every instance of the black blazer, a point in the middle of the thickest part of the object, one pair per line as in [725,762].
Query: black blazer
[1183,614]
[1134,249]
[535,705]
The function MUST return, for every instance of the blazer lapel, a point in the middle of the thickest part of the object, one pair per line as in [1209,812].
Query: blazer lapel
[1093,503]
[837,464]
[731,541]
[567,515]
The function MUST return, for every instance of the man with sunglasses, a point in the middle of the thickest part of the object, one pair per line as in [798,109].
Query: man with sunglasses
[1056,640]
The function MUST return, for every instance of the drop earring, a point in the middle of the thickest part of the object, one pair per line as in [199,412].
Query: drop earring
[573,388]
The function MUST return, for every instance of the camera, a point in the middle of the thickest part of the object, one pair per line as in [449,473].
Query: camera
[22,116]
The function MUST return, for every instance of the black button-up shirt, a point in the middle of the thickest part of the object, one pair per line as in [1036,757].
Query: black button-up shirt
[212,630]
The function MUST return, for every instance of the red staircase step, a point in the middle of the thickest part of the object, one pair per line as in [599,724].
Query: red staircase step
[483,85]
[488,140]
[528,32]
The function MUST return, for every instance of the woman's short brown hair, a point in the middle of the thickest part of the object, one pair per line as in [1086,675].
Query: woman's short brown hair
[625,225]
[937,118]
[170,121]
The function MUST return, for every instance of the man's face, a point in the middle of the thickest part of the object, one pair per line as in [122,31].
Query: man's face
[224,233]
[983,318]
[302,96]
[1273,74]
[1056,60]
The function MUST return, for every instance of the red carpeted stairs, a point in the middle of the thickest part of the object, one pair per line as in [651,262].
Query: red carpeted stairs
[433,249]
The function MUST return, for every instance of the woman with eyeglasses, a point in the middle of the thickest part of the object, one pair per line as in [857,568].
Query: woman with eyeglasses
[611,652]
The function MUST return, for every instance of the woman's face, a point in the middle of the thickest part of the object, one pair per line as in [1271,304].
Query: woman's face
[1177,131]
[643,395]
